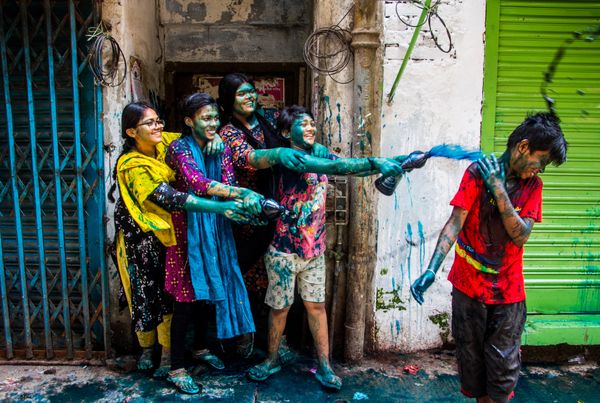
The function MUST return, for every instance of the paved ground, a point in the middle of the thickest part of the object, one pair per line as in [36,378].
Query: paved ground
[377,381]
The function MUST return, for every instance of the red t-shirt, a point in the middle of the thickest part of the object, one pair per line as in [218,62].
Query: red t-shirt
[488,266]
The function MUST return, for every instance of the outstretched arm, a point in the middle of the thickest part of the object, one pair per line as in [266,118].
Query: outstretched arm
[350,166]
[494,177]
[261,159]
[445,241]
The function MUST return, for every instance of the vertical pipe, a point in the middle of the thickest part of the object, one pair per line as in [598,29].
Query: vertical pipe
[35,178]
[101,209]
[57,185]
[5,313]
[363,213]
[85,295]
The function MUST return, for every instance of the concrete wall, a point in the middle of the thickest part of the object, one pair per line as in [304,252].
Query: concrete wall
[249,31]
[135,27]
[438,101]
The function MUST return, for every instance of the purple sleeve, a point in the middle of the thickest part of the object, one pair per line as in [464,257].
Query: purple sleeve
[179,158]
[227,173]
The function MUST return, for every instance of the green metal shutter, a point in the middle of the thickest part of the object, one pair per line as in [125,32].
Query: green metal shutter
[562,257]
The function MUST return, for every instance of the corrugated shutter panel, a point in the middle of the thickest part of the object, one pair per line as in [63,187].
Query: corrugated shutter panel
[562,257]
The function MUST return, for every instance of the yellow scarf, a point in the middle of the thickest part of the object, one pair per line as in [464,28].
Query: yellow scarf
[136,188]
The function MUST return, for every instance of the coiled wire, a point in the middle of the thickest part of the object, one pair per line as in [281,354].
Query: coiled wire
[105,58]
[431,13]
[328,50]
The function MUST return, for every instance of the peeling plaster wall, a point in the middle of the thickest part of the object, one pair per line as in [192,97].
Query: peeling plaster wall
[135,27]
[438,101]
[249,31]
[332,101]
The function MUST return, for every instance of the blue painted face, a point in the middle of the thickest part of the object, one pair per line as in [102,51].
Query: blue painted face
[205,123]
[303,132]
[245,100]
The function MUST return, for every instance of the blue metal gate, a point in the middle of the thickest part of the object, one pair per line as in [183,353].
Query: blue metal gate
[53,278]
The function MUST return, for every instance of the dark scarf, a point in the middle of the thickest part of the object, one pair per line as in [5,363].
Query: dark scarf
[249,253]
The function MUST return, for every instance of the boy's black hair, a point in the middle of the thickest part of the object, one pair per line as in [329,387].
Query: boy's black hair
[192,105]
[543,132]
[288,115]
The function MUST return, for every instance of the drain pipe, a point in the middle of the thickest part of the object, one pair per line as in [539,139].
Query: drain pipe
[363,214]
[338,255]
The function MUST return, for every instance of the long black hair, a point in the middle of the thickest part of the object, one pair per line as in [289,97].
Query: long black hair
[228,86]
[191,105]
[131,115]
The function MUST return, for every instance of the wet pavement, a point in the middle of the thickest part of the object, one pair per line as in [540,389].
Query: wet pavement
[385,380]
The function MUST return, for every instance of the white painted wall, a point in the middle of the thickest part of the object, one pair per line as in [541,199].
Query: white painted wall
[438,101]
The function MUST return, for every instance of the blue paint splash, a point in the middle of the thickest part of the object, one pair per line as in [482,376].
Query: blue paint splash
[409,239]
[393,283]
[397,327]
[409,190]
[339,121]
[455,152]
[421,247]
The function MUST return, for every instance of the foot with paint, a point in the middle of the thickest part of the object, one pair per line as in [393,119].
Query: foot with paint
[184,382]
[327,378]
[264,370]
[145,361]
[209,359]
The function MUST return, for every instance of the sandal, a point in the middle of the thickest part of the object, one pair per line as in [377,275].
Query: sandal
[145,361]
[286,355]
[183,381]
[263,371]
[162,372]
[209,358]
[329,379]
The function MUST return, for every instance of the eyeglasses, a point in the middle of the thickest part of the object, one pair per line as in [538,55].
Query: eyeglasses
[152,123]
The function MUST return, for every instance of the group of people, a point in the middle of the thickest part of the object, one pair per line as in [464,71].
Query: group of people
[191,238]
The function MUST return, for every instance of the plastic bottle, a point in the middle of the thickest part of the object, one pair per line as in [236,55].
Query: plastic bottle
[387,184]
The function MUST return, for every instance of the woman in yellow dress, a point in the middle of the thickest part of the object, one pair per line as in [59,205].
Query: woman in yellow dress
[144,228]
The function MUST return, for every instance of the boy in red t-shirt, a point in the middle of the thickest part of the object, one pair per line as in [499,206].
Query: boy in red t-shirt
[494,210]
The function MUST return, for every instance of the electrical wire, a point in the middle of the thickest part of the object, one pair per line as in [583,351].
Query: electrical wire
[328,50]
[105,58]
[431,12]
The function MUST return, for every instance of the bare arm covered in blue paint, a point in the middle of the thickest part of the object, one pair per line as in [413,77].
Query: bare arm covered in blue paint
[445,241]
[350,166]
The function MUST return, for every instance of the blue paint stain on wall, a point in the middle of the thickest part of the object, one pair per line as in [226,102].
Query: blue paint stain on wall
[327,114]
[409,240]
[397,327]
[393,283]
[339,121]
[408,190]
[421,246]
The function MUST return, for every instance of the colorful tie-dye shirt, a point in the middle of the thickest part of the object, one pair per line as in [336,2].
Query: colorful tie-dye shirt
[305,195]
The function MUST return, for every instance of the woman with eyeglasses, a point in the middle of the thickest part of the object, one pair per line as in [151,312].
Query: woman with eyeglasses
[144,228]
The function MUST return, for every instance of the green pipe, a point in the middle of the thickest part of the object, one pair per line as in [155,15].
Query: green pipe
[411,45]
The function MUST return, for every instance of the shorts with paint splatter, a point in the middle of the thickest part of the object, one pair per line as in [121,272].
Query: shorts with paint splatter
[284,269]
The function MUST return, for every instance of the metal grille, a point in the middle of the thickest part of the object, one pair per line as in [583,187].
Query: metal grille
[52,272]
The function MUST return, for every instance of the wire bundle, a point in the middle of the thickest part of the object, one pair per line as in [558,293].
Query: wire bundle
[105,58]
[328,50]
[431,12]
